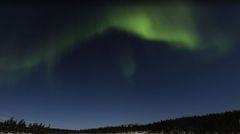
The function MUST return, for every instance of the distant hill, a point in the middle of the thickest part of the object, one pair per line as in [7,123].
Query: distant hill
[217,123]
[227,122]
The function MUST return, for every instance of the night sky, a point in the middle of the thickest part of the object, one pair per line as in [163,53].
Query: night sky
[85,65]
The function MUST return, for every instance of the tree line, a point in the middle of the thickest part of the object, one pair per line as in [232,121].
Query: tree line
[223,123]
[13,126]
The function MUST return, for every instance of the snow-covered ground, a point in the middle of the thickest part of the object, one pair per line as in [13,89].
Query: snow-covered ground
[14,133]
[83,133]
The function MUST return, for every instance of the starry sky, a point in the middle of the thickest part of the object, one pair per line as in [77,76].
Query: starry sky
[90,65]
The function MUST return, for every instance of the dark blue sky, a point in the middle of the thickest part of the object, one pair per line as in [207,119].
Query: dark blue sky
[87,86]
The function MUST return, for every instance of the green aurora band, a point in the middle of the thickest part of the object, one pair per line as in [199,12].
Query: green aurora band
[175,24]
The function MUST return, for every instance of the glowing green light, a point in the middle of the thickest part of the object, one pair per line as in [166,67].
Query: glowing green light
[174,24]
[158,23]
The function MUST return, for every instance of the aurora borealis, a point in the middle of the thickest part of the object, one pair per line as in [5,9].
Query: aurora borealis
[173,24]
[176,24]
[71,53]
